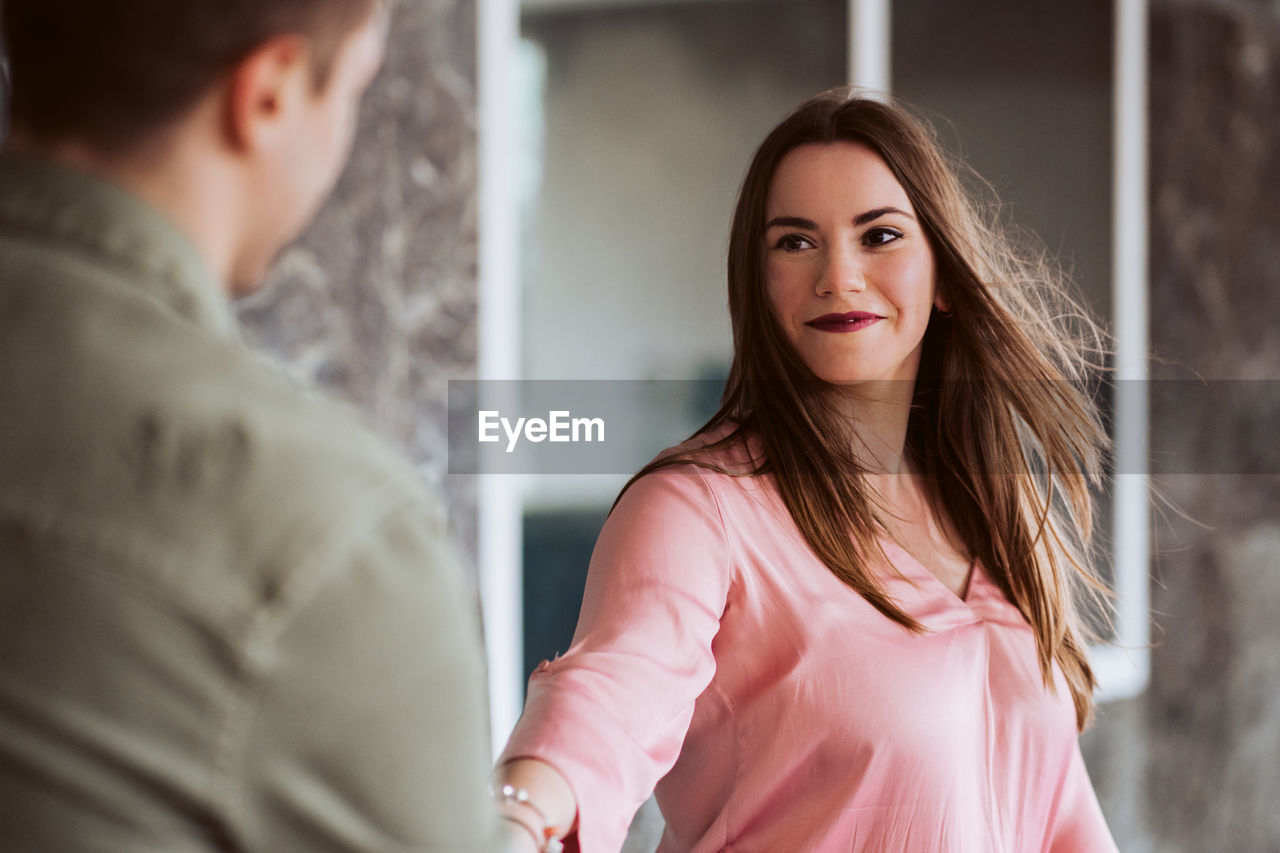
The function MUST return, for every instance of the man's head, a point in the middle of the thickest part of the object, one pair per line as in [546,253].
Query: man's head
[246,108]
[113,73]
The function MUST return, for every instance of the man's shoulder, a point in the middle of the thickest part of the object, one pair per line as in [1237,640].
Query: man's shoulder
[132,425]
[276,453]
[290,438]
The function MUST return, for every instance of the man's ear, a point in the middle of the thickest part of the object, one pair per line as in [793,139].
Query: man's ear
[263,89]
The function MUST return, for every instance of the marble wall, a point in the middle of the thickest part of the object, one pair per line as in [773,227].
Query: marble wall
[4,88]
[377,300]
[1194,764]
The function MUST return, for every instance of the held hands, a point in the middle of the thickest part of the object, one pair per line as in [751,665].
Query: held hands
[517,839]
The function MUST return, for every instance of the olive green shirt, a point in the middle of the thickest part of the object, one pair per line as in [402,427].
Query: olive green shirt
[227,616]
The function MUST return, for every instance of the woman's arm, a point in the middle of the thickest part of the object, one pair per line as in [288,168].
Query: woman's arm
[610,715]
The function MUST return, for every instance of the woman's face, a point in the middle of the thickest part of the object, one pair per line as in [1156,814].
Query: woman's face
[848,269]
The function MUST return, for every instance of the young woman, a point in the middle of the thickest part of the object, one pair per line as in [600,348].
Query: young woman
[840,617]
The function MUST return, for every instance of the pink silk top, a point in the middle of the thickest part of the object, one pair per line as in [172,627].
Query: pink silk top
[776,710]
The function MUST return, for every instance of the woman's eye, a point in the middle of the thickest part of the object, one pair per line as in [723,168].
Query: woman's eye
[793,243]
[881,236]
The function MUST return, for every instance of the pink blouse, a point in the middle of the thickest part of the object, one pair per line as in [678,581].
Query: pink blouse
[776,710]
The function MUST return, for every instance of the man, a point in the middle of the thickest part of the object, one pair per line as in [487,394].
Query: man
[227,619]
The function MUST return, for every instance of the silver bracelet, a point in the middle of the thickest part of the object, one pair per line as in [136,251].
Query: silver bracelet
[510,795]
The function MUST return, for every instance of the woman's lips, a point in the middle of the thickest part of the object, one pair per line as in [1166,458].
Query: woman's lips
[838,323]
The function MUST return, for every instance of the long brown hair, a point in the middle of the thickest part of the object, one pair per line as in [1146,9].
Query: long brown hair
[1003,426]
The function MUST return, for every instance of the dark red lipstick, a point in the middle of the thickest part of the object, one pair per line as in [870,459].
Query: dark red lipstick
[852,322]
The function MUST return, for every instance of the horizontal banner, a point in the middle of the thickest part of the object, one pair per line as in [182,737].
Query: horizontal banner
[1223,427]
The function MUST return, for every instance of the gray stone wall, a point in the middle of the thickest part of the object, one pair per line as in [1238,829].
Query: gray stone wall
[1194,765]
[4,87]
[377,300]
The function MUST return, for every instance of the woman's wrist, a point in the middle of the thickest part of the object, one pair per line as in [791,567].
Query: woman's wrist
[516,807]
[534,794]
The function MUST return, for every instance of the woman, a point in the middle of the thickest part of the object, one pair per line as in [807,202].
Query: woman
[840,616]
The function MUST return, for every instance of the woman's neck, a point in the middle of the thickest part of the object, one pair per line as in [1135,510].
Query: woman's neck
[878,413]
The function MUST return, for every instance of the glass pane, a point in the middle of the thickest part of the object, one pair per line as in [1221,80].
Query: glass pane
[1024,95]
[648,115]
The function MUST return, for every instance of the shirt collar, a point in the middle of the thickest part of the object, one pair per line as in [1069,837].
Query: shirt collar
[94,217]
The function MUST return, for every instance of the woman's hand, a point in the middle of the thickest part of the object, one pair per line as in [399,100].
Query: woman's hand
[516,839]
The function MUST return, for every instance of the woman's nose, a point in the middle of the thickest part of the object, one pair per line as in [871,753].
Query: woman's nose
[841,272]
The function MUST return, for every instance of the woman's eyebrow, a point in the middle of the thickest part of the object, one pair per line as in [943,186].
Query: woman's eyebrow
[871,215]
[860,219]
[791,222]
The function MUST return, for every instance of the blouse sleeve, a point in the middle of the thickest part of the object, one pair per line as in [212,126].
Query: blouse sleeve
[612,712]
[1078,825]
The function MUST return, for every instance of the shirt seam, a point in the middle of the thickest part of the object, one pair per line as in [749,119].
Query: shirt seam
[724,531]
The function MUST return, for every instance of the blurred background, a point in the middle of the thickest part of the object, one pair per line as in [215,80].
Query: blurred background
[542,190]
